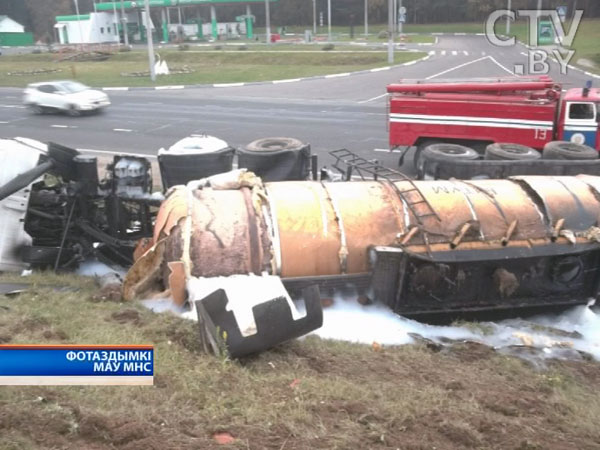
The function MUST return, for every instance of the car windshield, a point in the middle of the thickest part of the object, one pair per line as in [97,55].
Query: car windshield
[73,86]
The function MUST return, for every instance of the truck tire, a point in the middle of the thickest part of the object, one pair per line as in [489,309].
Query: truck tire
[448,152]
[276,159]
[510,152]
[419,151]
[568,151]
[273,144]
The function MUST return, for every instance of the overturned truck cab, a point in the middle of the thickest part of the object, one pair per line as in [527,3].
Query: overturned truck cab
[421,247]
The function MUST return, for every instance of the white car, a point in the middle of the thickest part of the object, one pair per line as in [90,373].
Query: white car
[70,96]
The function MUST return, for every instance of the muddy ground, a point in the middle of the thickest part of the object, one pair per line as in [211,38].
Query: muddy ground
[307,394]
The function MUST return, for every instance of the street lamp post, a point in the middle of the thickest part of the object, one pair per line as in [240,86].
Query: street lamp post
[124,19]
[149,41]
[366,17]
[329,20]
[391,31]
[508,19]
[314,17]
[268,20]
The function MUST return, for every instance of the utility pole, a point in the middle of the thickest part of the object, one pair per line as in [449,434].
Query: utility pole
[149,41]
[124,19]
[329,20]
[314,17]
[508,19]
[116,20]
[400,9]
[366,17]
[268,20]
[391,31]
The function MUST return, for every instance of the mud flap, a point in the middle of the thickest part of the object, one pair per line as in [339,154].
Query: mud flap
[275,324]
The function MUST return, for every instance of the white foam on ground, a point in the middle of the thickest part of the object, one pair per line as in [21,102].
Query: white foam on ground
[348,320]
[95,268]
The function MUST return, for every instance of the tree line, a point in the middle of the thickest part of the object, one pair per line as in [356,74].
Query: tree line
[38,15]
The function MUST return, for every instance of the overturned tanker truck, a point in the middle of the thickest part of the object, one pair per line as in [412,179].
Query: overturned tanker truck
[239,250]
[420,247]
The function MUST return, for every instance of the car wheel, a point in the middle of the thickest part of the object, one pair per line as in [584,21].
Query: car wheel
[568,151]
[510,152]
[73,111]
[36,109]
[418,157]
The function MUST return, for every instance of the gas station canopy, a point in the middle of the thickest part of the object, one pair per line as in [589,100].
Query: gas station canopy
[109,6]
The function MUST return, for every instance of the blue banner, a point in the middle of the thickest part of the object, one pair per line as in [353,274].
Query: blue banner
[72,360]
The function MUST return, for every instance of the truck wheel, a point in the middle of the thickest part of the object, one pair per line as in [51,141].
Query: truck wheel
[272,144]
[418,157]
[448,152]
[511,152]
[568,150]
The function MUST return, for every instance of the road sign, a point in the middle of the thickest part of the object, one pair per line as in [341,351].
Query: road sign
[402,10]
[401,18]
[562,13]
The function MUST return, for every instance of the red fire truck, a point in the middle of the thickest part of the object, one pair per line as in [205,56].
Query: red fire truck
[530,111]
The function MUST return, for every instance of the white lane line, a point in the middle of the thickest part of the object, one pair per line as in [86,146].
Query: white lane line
[161,88]
[387,150]
[115,89]
[114,152]
[2,122]
[59,126]
[524,54]
[124,130]
[456,67]
[432,52]
[443,52]
[13,106]
[501,66]
[466,53]
[374,98]
[454,53]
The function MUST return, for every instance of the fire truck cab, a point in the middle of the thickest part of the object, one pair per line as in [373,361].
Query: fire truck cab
[530,111]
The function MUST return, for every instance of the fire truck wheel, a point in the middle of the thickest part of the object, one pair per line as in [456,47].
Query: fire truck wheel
[445,152]
[513,152]
[568,150]
[418,158]
[274,144]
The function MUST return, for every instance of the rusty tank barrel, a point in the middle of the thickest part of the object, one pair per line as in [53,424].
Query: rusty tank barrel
[420,245]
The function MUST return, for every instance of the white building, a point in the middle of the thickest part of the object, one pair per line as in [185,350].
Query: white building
[7,25]
[95,28]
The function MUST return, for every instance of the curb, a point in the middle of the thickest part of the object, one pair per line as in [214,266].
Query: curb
[259,83]
[570,66]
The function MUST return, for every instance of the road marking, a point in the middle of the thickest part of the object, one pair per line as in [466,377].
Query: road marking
[466,53]
[13,106]
[524,54]
[2,121]
[501,66]
[456,67]
[410,63]
[115,89]
[371,99]
[290,80]
[228,84]
[443,52]
[454,53]
[379,69]
[460,34]
[59,126]
[336,75]
[482,53]
[124,130]
[160,88]
[114,152]
[432,52]
[387,150]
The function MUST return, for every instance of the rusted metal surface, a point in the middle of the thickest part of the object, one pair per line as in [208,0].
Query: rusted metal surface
[311,229]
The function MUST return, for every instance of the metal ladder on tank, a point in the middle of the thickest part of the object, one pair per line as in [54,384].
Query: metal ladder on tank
[373,169]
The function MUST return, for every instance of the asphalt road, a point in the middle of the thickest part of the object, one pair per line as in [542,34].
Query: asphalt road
[329,113]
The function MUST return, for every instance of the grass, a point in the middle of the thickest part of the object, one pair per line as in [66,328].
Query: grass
[304,394]
[209,66]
